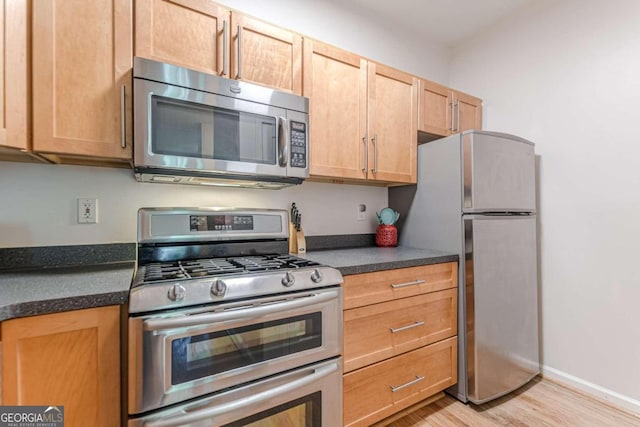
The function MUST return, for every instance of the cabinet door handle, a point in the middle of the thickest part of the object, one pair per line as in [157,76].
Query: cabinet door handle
[404,328]
[123,116]
[374,170]
[412,382]
[402,285]
[366,154]
[239,76]
[225,59]
[458,115]
[451,104]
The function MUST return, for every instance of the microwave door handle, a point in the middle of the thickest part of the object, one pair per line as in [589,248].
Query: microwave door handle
[244,314]
[283,141]
[237,405]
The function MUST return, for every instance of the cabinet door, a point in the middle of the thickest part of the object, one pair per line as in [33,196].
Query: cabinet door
[13,74]
[188,33]
[70,359]
[82,58]
[468,114]
[265,54]
[335,82]
[393,127]
[434,108]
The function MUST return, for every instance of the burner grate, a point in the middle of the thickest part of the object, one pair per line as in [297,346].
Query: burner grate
[188,269]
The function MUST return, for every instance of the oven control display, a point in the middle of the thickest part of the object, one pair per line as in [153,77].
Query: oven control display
[221,222]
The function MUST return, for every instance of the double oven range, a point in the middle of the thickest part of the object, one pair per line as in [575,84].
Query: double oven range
[226,328]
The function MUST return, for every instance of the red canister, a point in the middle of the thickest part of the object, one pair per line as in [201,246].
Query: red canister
[386,235]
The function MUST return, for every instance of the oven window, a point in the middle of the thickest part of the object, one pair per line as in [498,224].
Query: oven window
[303,412]
[200,356]
[187,129]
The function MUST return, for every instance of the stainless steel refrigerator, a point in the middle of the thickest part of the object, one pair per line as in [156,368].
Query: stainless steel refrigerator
[475,196]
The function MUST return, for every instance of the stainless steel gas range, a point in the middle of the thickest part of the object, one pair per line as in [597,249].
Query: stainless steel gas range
[226,328]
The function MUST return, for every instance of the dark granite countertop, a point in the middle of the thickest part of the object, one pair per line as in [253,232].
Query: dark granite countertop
[50,279]
[51,290]
[369,259]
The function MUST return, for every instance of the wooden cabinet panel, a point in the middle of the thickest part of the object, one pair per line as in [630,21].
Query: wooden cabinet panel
[70,359]
[13,75]
[393,116]
[265,54]
[371,288]
[335,82]
[468,112]
[188,33]
[82,58]
[368,392]
[376,332]
[434,108]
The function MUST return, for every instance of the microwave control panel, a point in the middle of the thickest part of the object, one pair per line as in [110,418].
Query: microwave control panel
[298,145]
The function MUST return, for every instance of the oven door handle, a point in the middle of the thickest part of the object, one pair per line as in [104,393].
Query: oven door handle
[236,314]
[189,417]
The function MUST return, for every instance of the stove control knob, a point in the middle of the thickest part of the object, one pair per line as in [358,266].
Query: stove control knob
[316,276]
[177,292]
[218,288]
[288,279]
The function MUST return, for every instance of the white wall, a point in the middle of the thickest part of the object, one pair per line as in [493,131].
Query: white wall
[566,75]
[39,204]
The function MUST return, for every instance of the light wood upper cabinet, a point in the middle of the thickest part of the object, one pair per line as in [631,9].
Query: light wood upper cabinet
[188,33]
[82,58]
[434,109]
[13,75]
[335,81]
[392,129]
[70,359]
[266,54]
[468,112]
[363,117]
[444,111]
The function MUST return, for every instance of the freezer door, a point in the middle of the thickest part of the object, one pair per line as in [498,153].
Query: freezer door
[500,278]
[498,173]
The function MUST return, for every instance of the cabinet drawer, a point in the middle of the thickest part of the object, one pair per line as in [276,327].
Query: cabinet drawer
[380,331]
[381,286]
[380,390]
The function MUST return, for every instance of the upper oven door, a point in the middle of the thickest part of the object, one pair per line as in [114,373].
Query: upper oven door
[178,356]
[191,130]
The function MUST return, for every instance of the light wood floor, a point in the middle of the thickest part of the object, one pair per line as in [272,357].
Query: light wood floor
[540,403]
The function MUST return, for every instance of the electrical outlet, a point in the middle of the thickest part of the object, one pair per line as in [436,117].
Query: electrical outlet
[87,211]
[362,212]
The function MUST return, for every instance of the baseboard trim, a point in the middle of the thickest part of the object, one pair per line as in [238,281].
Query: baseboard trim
[593,390]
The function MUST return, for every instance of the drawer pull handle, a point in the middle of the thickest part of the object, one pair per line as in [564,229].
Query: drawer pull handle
[412,382]
[404,328]
[402,285]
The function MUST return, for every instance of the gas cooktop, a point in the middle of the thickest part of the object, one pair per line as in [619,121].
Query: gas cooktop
[191,269]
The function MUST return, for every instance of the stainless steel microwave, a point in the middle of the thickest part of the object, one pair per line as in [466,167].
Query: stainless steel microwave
[196,128]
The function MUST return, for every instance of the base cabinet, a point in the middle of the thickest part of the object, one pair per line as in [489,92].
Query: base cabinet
[69,359]
[400,339]
[382,389]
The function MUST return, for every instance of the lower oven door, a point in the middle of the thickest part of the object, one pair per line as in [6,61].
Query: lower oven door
[188,353]
[307,397]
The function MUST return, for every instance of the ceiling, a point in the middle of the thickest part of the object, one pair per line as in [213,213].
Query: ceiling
[447,22]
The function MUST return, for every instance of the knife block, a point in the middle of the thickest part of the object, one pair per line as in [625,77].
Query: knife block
[297,242]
